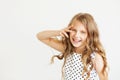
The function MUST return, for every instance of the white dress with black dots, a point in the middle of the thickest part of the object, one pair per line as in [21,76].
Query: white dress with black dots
[73,68]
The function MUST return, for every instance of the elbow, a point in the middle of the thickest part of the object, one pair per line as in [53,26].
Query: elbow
[38,36]
[103,76]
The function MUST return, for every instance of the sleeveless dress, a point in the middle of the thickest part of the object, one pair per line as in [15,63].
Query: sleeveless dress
[73,68]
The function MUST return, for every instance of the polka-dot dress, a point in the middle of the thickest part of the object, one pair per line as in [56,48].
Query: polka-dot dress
[73,68]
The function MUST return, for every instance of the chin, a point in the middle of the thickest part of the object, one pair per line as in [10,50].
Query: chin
[76,45]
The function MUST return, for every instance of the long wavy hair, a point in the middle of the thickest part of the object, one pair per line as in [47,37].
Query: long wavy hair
[93,43]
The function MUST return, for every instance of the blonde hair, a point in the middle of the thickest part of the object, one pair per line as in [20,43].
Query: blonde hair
[93,43]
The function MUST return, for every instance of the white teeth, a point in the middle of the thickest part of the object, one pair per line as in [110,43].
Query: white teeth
[76,40]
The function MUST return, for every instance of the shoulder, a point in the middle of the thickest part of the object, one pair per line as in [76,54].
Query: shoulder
[98,62]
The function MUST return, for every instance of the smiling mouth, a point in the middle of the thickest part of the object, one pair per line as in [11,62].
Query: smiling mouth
[77,40]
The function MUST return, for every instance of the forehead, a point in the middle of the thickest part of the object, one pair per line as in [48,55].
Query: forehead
[78,25]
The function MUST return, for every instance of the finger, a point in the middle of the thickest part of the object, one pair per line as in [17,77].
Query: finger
[70,26]
[69,31]
[65,34]
[61,34]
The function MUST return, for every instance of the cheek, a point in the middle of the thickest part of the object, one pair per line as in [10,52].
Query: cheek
[85,37]
[71,34]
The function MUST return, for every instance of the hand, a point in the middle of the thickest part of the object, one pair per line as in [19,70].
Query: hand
[64,32]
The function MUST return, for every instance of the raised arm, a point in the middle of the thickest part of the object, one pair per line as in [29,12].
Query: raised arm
[47,34]
[47,38]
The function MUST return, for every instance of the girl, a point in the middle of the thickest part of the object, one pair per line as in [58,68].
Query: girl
[80,47]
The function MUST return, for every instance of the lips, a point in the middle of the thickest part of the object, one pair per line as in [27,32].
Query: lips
[76,40]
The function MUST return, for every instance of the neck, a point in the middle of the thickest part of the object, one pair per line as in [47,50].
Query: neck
[79,50]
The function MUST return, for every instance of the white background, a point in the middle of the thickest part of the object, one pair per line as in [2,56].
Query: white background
[23,57]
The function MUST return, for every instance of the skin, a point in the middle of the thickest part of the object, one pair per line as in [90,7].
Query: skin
[78,36]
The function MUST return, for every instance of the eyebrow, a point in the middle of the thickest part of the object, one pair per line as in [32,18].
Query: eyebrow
[76,29]
[72,28]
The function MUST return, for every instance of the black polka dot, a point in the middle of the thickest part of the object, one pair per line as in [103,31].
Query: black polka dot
[74,67]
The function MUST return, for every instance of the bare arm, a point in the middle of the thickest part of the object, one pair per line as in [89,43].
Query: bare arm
[47,34]
[46,37]
[98,64]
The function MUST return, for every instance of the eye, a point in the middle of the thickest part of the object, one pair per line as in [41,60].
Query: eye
[73,30]
[83,32]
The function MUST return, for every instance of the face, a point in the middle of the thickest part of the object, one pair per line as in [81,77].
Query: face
[78,34]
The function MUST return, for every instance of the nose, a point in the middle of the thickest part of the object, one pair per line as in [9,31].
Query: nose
[77,34]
